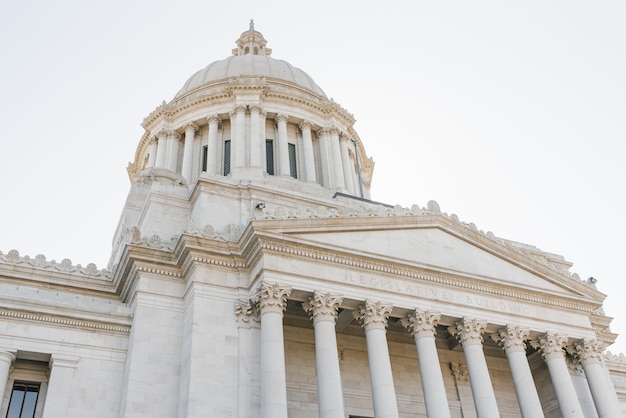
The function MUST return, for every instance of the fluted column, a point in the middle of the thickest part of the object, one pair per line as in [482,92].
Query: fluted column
[190,132]
[551,346]
[239,146]
[591,353]
[322,308]
[211,157]
[373,318]
[272,302]
[247,323]
[309,156]
[423,327]
[345,163]
[283,148]
[161,148]
[255,135]
[335,149]
[328,179]
[469,331]
[512,338]
[6,360]
[152,152]
[172,150]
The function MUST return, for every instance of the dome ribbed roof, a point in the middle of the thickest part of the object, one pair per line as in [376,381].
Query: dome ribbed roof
[251,58]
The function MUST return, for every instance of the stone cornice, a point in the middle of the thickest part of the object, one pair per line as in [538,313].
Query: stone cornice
[64,321]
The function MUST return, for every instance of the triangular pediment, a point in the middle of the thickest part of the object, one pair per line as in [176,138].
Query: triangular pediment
[441,248]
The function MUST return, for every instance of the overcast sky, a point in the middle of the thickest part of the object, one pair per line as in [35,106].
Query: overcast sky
[511,115]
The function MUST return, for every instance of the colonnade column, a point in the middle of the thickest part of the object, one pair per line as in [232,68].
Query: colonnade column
[551,346]
[211,157]
[190,131]
[283,148]
[590,353]
[272,303]
[161,148]
[255,135]
[152,152]
[326,158]
[373,318]
[512,340]
[340,181]
[62,370]
[239,145]
[6,360]
[172,150]
[423,326]
[469,331]
[345,162]
[309,156]
[322,308]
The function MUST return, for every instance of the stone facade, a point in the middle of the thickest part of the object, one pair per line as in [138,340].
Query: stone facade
[253,276]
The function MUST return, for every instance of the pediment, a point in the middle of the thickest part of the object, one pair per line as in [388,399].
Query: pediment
[447,250]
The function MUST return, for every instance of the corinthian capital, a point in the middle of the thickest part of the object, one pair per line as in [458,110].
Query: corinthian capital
[191,127]
[173,134]
[255,108]
[247,312]
[373,315]
[551,345]
[469,331]
[323,132]
[240,109]
[590,351]
[272,297]
[511,338]
[305,124]
[421,324]
[281,117]
[322,306]
[213,119]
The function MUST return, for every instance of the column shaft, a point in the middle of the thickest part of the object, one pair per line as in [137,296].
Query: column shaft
[347,167]
[340,182]
[212,157]
[309,156]
[283,148]
[62,370]
[161,149]
[190,130]
[255,136]
[328,179]
[152,152]
[6,360]
[240,136]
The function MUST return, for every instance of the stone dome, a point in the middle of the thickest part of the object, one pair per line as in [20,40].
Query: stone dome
[251,58]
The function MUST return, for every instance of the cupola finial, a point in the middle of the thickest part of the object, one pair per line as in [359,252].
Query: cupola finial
[251,24]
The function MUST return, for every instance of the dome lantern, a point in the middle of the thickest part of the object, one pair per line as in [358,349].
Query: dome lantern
[251,42]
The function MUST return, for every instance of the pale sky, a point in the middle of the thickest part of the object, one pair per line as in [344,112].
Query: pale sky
[511,115]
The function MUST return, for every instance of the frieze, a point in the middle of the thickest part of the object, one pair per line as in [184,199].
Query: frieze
[230,232]
[65,266]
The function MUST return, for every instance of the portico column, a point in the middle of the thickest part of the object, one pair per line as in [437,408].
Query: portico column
[591,353]
[335,149]
[283,148]
[512,340]
[272,303]
[373,318]
[423,326]
[322,308]
[255,135]
[6,360]
[240,136]
[190,130]
[309,156]
[161,148]
[172,150]
[247,323]
[211,152]
[469,331]
[152,152]
[551,346]
[62,370]
[345,162]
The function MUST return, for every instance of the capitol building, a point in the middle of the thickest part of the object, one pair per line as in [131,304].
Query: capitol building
[253,274]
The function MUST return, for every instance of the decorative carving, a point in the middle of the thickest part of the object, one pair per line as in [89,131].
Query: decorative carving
[511,338]
[230,232]
[256,108]
[421,323]
[574,365]
[191,127]
[322,306]
[281,117]
[551,345]
[240,109]
[173,135]
[40,262]
[305,124]
[323,132]
[247,312]
[469,331]
[213,119]
[590,351]
[460,372]
[272,297]
[373,315]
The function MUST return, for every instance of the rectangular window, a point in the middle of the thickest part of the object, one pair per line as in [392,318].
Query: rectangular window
[205,150]
[269,156]
[227,157]
[23,400]
[293,169]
